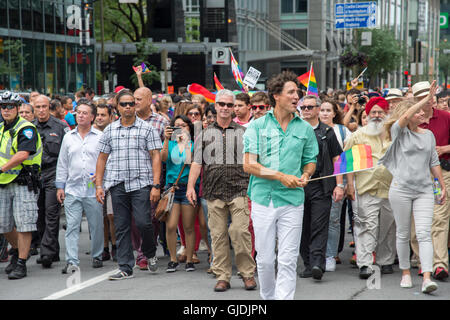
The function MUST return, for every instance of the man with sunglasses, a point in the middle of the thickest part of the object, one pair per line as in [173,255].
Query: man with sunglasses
[319,193]
[52,131]
[20,155]
[259,104]
[219,151]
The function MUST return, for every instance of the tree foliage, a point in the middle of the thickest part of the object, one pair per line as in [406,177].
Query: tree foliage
[444,59]
[144,49]
[383,56]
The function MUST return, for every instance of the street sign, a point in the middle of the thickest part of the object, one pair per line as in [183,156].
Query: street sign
[366,38]
[443,20]
[220,56]
[356,15]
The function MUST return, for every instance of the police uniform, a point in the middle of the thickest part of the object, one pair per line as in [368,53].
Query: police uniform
[18,200]
[318,200]
[52,133]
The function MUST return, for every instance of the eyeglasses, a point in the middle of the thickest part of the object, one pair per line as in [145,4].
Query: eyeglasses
[223,104]
[124,104]
[8,106]
[262,107]
[193,114]
[307,107]
[211,117]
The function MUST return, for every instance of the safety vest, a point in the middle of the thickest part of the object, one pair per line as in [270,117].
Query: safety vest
[8,148]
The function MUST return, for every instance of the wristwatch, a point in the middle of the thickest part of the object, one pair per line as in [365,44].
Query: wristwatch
[157,186]
[340,185]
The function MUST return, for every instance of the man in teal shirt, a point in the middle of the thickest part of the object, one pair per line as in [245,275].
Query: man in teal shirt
[280,151]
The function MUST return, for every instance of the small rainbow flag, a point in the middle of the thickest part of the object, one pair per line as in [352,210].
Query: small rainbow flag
[219,86]
[304,78]
[237,72]
[145,69]
[359,157]
[312,84]
[196,88]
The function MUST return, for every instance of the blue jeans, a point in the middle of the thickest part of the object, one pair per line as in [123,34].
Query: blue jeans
[334,229]
[74,208]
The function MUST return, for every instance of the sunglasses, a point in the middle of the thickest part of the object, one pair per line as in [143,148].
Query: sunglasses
[223,104]
[124,104]
[193,113]
[8,106]
[307,107]
[262,107]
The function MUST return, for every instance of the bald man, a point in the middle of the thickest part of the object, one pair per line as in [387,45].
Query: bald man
[52,131]
[143,97]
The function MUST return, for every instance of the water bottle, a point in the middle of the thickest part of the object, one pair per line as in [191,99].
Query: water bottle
[91,183]
[437,191]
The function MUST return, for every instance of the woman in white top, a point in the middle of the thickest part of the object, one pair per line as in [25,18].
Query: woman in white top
[410,158]
[331,115]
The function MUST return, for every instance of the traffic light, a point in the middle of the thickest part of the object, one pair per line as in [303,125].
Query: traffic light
[104,67]
[112,63]
[174,69]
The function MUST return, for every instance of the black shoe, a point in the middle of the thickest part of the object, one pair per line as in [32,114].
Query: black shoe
[19,272]
[307,273]
[190,266]
[97,263]
[12,264]
[46,261]
[34,251]
[172,266]
[105,255]
[68,268]
[113,253]
[365,272]
[317,273]
[54,259]
[387,269]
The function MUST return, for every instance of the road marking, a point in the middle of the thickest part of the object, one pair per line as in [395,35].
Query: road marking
[80,286]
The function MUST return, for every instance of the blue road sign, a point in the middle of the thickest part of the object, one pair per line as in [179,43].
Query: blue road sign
[356,15]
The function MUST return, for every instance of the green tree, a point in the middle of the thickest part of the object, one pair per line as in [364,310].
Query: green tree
[385,55]
[444,59]
[12,65]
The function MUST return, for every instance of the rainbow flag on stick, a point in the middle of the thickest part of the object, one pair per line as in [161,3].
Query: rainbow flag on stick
[304,79]
[219,86]
[237,72]
[357,158]
[312,84]
[196,88]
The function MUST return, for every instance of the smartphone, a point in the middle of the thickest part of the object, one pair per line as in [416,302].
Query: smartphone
[173,128]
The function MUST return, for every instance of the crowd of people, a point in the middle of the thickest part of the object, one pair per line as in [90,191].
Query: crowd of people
[253,175]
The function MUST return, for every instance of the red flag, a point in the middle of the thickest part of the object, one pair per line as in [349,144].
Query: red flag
[304,78]
[195,88]
[219,86]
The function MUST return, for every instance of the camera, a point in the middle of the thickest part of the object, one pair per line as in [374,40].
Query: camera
[361,99]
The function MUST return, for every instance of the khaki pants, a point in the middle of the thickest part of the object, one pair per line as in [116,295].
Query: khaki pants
[374,231]
[218,213]
[439,230]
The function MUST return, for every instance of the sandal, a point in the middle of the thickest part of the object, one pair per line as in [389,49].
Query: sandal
[195,259]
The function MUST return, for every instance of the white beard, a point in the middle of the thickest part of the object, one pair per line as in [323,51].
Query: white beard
[375,128]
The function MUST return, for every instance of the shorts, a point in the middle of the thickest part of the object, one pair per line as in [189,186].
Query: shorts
[180,193]
[107,205]
[18,207]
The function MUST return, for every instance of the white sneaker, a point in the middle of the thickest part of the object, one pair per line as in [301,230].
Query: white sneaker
[202,246]
[406,281]
[330,264]
[181,250]
[429,286]
[151,265]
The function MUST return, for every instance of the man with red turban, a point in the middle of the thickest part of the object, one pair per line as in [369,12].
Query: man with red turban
[374,224]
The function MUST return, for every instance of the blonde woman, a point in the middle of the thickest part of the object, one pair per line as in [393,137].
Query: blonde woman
[413,150]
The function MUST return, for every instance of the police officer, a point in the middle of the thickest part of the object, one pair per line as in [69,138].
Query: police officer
[52,131]
[318,193]
[20,159]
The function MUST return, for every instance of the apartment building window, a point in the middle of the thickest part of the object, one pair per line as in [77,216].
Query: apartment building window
[294,6]
[299,34]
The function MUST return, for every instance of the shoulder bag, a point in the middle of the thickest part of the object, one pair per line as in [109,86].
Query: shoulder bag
[166,202]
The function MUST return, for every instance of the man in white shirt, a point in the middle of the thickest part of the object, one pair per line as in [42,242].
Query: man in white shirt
[75,172]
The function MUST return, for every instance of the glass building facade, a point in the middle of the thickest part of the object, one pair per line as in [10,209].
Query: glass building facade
[37,49]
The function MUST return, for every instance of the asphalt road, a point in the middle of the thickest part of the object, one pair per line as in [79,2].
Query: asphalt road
[343,284]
